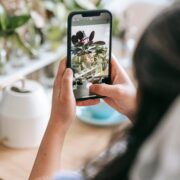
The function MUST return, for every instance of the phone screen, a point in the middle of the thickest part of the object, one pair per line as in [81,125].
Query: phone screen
[90,52]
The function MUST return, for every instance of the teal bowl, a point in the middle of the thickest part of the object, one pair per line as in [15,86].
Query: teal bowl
[101,111]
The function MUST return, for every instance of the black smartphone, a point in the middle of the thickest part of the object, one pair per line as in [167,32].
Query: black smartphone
[89,50]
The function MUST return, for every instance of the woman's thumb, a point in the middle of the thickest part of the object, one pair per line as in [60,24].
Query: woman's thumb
[103,89]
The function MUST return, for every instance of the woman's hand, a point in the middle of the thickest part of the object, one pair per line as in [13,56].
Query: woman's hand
[63,101]
[47,162]
[121,95]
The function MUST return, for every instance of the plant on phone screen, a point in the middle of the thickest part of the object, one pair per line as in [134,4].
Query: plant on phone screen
[87,52]
[84,44]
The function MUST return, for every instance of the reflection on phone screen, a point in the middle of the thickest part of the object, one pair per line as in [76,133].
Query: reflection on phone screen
[90,41]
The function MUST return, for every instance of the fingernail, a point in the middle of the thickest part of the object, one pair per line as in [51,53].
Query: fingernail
[69,71]
[92,88]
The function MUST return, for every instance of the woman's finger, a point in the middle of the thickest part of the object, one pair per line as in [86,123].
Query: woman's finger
[105,90]
[118,71]
[110,102]
[61,70]
[66,85]
[89,102]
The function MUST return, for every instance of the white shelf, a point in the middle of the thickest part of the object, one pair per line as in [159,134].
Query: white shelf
[45,58]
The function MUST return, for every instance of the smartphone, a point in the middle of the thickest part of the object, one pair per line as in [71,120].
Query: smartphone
[89,50]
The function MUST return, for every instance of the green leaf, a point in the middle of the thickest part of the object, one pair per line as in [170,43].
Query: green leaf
[3,18]
[70,4]
[15,22]
[99,3]
[116,30]
[85,4]
[8,24]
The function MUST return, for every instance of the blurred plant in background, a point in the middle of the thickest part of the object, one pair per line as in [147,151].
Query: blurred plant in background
[8,29]
[28,26]
[8,33]
[58,10]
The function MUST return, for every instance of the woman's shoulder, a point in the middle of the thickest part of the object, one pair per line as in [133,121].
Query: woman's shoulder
[159,157]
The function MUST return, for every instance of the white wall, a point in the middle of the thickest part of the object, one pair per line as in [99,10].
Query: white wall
[119,5]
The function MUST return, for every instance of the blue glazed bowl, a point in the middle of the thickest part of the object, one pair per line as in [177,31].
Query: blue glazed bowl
[101,111]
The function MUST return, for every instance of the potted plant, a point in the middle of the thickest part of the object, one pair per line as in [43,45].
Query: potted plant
[87,53]
[57,11]
[9,34]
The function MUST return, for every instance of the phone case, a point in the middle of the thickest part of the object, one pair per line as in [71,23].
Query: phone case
[87,14]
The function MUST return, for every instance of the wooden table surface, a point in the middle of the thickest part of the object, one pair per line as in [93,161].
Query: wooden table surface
[82,142]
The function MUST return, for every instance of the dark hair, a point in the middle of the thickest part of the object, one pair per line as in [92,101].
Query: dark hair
[157,69]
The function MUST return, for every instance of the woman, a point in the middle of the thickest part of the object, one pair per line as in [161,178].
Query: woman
[157,69]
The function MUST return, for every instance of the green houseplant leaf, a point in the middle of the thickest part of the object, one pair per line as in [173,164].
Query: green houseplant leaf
[15,22]
[3,18]
[70,4]
[85,4]
[8,24]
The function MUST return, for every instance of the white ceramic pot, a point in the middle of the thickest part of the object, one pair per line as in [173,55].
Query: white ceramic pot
[24,116]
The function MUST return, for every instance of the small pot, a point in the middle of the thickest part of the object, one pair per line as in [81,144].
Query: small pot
[23,115]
